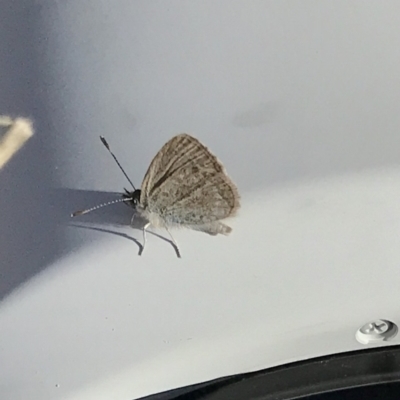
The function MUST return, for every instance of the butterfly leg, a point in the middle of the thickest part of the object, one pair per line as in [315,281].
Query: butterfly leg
[144,235]
[178,253]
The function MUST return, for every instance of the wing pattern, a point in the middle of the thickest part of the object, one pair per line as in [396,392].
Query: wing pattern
[187,185]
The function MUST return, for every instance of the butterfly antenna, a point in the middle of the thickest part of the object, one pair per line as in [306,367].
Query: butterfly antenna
[107,146]
[82,212]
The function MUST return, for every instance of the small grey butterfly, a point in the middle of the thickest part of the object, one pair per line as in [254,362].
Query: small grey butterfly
[184,186]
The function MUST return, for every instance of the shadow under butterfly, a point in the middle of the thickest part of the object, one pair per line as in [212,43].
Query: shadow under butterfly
[105,220]
[184,186]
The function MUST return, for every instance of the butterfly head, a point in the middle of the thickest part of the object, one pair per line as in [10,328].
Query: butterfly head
[134,197]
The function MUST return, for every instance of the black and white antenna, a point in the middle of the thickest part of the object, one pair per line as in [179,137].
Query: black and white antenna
[107,146]
[82,212]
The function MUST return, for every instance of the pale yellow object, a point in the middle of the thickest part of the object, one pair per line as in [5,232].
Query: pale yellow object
[19,131]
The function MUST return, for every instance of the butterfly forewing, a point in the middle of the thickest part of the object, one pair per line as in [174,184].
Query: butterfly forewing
[187,185]
[172,157]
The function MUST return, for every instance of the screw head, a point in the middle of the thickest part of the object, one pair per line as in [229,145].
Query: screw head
[376,331]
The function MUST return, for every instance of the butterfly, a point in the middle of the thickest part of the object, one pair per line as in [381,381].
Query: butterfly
[184,186]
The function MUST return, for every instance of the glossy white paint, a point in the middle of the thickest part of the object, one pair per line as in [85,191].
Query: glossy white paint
[300,100]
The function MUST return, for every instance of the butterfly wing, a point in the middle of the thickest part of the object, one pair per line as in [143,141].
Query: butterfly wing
[185,184]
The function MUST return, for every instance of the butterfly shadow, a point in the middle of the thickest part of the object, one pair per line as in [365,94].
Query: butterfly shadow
[126,236]
[115,215]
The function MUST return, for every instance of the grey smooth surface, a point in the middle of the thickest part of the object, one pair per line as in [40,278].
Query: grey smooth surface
[300,100]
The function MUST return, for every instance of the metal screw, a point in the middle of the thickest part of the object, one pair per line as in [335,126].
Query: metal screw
[376,331]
